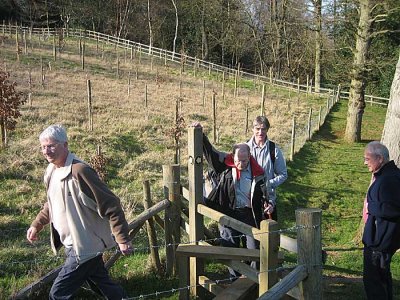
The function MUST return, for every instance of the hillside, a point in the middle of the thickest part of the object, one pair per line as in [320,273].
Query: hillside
[133,130]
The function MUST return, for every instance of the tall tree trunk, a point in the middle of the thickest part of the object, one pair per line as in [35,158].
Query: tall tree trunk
[176,27]
[391,133]
[204,41]
[150,28]
[358,77]
[318,41]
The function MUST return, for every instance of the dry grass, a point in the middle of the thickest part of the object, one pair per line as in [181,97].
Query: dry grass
[135,138]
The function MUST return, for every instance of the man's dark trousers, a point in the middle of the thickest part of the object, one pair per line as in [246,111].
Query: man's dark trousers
[73,275]
[231,237]
[377,276]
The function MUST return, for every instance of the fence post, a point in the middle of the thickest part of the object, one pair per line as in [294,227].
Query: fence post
[89,103]
[172,184]
[309,124]
[309,250]
[293,140]
[196,230]
[151,231]
[269,246]
[262,112]
[338,94]
[214,107]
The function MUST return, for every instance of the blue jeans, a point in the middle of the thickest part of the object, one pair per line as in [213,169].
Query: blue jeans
[73,275]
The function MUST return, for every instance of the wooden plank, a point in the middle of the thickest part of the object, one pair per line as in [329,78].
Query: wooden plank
[195,177]
[217,252]
[288,243]
[239,289]
[286,284]
[269,248]
[210,285]
[308,221]
[228,221]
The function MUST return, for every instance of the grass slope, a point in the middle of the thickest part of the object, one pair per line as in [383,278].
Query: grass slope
[329,173]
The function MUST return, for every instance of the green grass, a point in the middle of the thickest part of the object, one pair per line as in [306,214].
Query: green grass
[328,173]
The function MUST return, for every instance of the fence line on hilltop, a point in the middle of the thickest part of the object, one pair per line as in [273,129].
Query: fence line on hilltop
[182,59]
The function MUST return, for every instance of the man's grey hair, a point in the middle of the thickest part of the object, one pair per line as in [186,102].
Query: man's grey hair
[262,120]
[378,149]
[242,147]
[55,132]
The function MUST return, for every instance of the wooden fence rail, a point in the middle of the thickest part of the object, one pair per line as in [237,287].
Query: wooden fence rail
[178,58]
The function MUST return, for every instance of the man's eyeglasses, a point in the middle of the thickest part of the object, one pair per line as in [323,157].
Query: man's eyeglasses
[257,128]
[51,147]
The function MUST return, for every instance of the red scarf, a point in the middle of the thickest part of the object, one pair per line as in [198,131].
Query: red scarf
[256,170]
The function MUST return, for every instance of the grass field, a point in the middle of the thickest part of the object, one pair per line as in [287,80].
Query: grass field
[327,173]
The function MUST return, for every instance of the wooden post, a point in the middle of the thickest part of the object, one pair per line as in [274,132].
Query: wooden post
[262,112]
[319,116]
[172,184]
[269,246]
[338,94]
[16,43]
[214,106]
[129,83]
[293,138]
[309,129]
[196,230]
[270,75]
[151,231]
[309,250]
[223,86]
[307,84]
[54,48]
[89,102]
[145,95]
[195,67]
[117,65]
[30,88]
[247,120]
[204,93]
[235,89]
[298,85]
[42,77]
[83,56]
[25,43]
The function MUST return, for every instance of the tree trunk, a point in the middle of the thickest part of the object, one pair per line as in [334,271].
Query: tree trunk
[391,133]
[358,77]
[176,28]
[204,42]
[318,41]
[150,28]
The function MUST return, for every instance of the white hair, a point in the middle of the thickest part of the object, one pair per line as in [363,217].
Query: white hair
[55,132]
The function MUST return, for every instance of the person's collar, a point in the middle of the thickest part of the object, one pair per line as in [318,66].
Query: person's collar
[384,165]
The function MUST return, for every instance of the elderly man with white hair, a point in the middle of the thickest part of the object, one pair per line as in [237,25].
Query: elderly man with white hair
[84,216]
[381,236]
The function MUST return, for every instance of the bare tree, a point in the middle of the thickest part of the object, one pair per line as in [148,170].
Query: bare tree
[176,27]
[150,28]
[318,41]
[391,133]
[359,73]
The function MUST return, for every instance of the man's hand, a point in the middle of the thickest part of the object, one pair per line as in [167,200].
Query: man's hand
[196,124]
[268,208]
[32,234]
[126,248]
